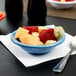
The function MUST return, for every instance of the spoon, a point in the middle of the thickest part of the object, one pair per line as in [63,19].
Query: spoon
[60,66]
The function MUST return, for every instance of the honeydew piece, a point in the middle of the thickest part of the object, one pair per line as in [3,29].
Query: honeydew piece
[58,32]
[20,32]
[40,43]
[35,33]
[50,42]
[41,28]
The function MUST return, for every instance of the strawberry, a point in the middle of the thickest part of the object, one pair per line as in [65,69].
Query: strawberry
[31,29]
[46,34]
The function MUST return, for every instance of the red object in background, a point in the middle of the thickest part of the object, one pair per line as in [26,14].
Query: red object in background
[2,15]
[66,0]
[70,0]
[46,34]
[56,0]
[31,29]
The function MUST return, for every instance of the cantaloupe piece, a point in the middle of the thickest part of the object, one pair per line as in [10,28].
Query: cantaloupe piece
[30,40]
[62,0]
[20,32]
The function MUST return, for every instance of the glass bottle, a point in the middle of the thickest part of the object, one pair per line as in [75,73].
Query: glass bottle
[36,12]
[14,9]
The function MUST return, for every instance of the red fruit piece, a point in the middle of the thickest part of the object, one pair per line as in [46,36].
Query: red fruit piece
[2,15]
[31,29]
[47,34]
[69,0]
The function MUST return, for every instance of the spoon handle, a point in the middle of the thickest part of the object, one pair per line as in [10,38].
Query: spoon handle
[60,66]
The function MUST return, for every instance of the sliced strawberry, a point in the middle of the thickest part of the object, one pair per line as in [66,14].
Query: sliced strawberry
[47,34]
[28,28]
[31,29]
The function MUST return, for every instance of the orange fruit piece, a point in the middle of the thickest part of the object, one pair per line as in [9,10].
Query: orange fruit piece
[20,32]
[2,15]
[30,40]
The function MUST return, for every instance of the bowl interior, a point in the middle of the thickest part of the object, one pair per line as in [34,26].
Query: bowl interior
[25,45]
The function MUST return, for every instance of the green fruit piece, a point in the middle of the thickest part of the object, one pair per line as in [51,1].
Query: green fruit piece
[58,32]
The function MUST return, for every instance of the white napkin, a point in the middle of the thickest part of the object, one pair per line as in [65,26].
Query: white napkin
[30,60]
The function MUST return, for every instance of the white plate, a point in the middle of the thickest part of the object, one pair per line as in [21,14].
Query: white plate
[30,60]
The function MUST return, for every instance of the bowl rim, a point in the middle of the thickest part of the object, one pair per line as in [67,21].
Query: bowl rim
[36,46]
[57,2]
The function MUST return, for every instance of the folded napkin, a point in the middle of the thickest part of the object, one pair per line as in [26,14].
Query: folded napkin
[30,60]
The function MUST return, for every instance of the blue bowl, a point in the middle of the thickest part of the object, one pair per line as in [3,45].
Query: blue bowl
[37,49]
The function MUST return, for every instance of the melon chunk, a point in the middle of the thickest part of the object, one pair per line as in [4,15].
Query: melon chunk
[35,34]
[20,32]
[41,28]
[30,40]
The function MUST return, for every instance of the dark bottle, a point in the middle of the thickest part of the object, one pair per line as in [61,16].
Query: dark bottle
[14,9]
[36,12]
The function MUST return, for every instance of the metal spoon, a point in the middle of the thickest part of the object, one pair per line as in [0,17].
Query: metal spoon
[60,66]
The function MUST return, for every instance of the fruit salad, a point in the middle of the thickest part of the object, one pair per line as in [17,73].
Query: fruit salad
[2,15]
[39,35]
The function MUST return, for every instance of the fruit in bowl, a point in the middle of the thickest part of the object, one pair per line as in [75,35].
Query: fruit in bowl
[62,4]
[38,39]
